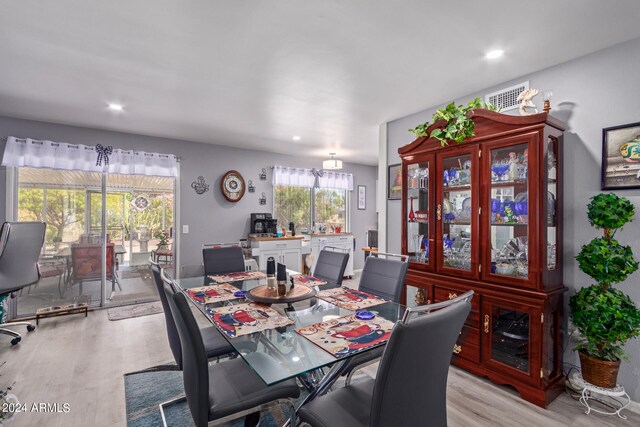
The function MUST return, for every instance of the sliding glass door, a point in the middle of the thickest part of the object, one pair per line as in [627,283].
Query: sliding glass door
[73,264]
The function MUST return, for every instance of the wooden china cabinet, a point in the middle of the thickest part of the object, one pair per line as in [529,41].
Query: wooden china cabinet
[486,214]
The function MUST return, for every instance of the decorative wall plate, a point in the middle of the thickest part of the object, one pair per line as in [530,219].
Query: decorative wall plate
[232,186]
[140,203]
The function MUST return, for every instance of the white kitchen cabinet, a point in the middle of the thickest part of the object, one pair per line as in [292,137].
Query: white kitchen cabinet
[286,251]
[340,241]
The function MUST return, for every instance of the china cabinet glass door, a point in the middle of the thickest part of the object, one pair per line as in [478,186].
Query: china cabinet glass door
[507,212]
[457,212]
[419,236]
[551,205]
[508,336]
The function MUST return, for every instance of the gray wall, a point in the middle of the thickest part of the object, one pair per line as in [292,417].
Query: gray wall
[590,93]
[211,218]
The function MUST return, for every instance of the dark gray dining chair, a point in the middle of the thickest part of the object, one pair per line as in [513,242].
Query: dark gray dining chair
[214,343]
[330,267]
[222,260]
[410,388]
[383,277]
[227,390]
[20,246]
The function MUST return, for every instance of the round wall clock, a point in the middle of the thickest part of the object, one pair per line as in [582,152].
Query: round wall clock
[232,186]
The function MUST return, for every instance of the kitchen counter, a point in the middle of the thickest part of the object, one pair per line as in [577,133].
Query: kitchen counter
[269,239]
[330,234]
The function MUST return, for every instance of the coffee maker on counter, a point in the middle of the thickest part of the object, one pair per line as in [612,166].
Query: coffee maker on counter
[263,225]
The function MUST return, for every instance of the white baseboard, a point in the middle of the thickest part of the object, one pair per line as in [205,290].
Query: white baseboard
[358,271]
[634,407]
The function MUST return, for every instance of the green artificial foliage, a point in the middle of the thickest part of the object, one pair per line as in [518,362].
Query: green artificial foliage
[607,261]
[605,317]
[609,211]
[458,125]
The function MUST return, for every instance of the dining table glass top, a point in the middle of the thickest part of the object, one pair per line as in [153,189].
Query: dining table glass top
[294,353]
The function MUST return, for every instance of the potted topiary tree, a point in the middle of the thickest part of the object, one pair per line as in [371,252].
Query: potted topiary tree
[605,317]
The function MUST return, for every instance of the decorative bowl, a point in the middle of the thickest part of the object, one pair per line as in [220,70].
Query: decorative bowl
[505,269]
[365,315]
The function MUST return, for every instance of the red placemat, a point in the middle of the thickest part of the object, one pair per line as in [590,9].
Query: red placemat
[244,319]
[351,299]
[348,335]
[211,294]
[304,279]
[240,275]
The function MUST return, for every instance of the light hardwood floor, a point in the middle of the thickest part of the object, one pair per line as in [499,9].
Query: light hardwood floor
[82,362]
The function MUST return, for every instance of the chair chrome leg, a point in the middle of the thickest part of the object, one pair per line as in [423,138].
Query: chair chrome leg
[9,332]
[167,403]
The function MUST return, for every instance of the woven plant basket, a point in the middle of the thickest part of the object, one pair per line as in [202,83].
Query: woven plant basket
[599,372]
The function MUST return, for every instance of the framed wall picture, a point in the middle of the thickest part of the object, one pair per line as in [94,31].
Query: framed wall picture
[621,157]
[394,184]
[362,197]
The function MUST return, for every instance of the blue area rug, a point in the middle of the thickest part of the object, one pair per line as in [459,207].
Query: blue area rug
[145,390]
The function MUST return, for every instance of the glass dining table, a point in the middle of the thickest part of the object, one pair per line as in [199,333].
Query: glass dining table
[296,355]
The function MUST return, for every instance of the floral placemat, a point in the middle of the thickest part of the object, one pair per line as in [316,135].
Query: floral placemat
[244,319]
[214,293]
[348,335]
[305,279]
[351,299]
[240,275]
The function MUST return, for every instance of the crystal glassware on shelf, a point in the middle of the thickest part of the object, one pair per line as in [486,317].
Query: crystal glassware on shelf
[499,169]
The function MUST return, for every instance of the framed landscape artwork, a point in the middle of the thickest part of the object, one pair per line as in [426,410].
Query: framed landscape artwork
[621,157]
[394,185]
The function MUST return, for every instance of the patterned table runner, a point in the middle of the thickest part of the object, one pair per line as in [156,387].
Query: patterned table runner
[244,319]
[240,275]
[348,335]
[351,299]
[211,294]
[304,279]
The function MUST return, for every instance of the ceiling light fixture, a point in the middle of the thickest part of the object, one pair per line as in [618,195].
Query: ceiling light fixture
[296,138]
[332,164]
[116,107]
[494,54]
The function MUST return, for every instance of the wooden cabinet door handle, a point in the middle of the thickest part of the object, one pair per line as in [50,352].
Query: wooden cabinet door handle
[486,323]
[452,295]
[439,212]
[457,349]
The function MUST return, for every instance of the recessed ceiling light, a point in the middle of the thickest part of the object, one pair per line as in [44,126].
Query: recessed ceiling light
[296,138]
[115,107]
[493,54]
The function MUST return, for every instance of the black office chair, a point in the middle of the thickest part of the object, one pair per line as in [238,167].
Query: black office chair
[410,388]
[214,343]
[384,278]
[20,246]
[226,390]
[330,267]
[222,260]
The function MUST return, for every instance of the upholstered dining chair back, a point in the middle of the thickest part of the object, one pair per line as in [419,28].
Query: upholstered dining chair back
[20,246]
[414,368]
[331,266]
[195,370]
[172,331]
[383,277]
[222,260]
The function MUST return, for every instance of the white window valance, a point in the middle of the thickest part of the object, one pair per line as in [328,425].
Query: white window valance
[299,177]
[60,155]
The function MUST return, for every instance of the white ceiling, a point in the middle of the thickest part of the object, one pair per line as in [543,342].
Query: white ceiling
[253,73]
